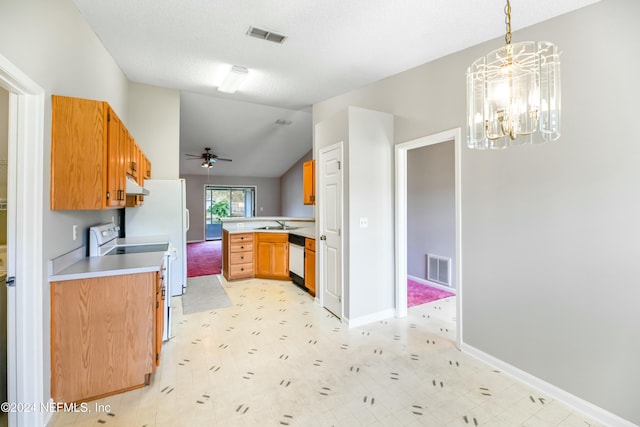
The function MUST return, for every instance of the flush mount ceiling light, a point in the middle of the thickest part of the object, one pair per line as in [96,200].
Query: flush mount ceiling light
[234,79]
[513,94]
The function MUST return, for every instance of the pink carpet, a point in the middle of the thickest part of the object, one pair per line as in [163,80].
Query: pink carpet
[204,258]
[418,293]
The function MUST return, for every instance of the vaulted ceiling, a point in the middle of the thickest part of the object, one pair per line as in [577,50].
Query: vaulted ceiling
[331,47]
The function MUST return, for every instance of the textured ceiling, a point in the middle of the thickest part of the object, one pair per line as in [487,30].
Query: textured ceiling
[332,47]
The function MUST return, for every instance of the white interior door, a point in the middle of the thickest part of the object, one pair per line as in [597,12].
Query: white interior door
[330,212]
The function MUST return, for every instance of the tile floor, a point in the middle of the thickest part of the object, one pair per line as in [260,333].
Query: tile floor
[275,358]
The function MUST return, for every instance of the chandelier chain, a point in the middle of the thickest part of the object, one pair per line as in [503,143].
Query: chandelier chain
[507,22]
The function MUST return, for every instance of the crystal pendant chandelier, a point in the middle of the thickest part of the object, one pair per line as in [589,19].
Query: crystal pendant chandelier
[513,94]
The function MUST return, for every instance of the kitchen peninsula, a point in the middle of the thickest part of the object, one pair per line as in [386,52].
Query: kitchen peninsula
[259,247]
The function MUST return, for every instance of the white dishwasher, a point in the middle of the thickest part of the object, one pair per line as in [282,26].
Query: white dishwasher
[296,259]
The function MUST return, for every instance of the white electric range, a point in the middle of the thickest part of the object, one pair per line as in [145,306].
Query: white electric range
[104,241]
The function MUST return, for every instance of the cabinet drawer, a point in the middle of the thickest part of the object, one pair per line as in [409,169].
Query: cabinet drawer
[241,258]
[310,244]
[241,270]
[241,238]
[241,247]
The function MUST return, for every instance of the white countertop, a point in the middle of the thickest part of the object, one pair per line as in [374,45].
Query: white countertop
[302,226]
[266,218]
[110,265]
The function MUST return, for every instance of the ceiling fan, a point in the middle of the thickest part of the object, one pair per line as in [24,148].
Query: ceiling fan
[208,158]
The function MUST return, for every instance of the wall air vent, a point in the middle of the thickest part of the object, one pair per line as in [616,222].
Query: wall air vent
[439,269]
[265,35]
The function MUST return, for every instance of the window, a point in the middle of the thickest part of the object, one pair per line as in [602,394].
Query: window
[226,202]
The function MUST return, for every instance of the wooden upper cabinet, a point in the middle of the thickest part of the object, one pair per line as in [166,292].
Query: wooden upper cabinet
[90,155]
[309,182]
[130,156]
[116,177]
[147,168]
[79,154]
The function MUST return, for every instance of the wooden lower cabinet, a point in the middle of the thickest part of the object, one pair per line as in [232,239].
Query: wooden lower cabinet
[237,255]
[104,335]
[272,256]
[161,291]
[310,265]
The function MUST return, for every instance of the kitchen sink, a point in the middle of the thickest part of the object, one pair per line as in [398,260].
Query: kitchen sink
[276,227]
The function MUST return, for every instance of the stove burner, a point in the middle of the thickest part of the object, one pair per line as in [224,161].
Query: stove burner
[136,249]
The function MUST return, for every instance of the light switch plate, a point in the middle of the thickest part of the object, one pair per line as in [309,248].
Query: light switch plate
[364,222]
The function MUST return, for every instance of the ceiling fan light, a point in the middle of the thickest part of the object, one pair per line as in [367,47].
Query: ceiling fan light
[234,79]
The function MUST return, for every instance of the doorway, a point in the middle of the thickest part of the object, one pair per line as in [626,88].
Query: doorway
[24,211]
[401,151]
[226,202]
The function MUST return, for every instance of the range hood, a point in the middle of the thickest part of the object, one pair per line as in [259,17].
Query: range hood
[134,189]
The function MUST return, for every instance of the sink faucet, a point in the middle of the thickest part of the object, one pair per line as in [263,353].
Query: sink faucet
[283,223]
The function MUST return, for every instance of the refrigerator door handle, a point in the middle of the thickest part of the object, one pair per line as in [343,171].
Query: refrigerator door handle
[186,212]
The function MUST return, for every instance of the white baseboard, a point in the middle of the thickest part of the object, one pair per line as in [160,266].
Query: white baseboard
[370,318]
[588,409]
[432,284]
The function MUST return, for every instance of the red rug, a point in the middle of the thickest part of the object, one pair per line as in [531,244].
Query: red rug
[418,293]
[204,258]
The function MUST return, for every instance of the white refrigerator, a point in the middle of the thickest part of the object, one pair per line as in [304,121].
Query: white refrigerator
[164,213]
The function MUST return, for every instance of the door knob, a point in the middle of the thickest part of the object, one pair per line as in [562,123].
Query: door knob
[323,237]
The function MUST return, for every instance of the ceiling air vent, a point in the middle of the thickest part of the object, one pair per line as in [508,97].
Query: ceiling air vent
[265,35]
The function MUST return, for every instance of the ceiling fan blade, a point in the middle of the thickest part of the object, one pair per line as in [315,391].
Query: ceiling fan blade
[223,160]
[193,155]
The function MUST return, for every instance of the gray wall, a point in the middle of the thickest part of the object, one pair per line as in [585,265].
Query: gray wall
[267,198]
[52,44]
[154,121]
[367,193]
[550,235]
[291,191]
[430,207]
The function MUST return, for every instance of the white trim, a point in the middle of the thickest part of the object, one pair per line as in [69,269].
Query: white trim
[401,220]
[25,194]
[586,408]
[369,318]
[432,284]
